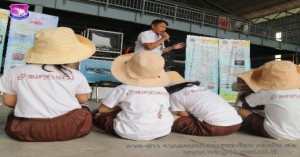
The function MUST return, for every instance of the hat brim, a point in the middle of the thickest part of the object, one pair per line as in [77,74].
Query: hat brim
[273,75]
[247,77]
[175,77]
[118,70]
[79,52]
[276,79]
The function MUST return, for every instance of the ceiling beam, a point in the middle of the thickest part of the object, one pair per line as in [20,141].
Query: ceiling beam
[222,8]
[277,15]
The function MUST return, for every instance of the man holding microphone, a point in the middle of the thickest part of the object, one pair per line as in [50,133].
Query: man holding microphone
[154,39]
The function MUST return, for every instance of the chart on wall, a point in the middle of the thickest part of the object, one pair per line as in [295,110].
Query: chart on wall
[234,58]
[21,36]
[202,61]
[212,61]
[4,15]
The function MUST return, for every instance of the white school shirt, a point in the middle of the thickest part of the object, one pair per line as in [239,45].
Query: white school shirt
[204,105]
[282,111]
[138,119]
[148,37]
[42,94]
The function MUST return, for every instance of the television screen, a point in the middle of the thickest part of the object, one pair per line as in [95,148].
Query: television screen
[106,41]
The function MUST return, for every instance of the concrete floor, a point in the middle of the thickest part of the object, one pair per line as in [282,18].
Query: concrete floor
[100,144]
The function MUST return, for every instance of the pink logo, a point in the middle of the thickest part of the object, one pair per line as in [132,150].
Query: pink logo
[19,11]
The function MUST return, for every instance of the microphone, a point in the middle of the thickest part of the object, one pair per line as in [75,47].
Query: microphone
[168,40]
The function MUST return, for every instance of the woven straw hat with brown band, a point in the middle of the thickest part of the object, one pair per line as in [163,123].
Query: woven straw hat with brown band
[175,77]
[59,46]
[145,69]
[273,75]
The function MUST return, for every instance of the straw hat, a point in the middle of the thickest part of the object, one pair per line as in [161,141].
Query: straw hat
[59,46]
[175,77]
[145,69]
[273,75]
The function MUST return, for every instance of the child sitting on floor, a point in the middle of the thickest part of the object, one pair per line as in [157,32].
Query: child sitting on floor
[138,109]
[276,86]
[200,111]
[46,94]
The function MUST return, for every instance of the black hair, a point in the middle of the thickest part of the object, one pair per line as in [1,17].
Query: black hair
[59,67]
[157,21]
[178,87]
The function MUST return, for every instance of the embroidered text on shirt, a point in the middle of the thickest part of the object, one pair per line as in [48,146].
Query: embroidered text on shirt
[45,77]
[130,92]
[287,96]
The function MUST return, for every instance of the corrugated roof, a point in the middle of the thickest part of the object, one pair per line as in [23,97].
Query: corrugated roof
[251,10]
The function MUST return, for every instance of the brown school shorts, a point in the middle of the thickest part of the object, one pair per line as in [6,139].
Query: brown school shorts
[192,126]
[105,121]
[74,124]
[255,123]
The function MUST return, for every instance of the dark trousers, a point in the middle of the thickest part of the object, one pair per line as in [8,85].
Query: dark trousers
[105,121]
[192,126]
[74,124]
[255,123]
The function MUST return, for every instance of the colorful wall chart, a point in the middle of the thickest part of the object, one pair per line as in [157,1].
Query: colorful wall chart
[202,61]
[4,14]
[235,56]
[212,61]
[21,36]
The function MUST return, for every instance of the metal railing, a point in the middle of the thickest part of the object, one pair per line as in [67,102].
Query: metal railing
[200,16]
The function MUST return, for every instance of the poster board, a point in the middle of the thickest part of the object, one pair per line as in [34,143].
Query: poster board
[96,70]
[212,61]
[21,36]
[235,56]
[4,14]
[201,62]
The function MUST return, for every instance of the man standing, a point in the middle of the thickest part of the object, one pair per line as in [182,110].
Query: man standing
[154,39]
